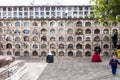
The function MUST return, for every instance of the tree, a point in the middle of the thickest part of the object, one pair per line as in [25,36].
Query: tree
[106,10]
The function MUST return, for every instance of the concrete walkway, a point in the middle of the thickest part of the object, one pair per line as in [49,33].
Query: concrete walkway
[70,69]
[34,70]
[83,69]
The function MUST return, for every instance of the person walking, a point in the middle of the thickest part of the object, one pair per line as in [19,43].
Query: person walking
[114,62]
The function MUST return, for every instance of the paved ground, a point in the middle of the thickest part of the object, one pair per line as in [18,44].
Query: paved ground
[33,71]
[70,69]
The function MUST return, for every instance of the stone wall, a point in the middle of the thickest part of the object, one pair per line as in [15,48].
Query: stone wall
[63,37]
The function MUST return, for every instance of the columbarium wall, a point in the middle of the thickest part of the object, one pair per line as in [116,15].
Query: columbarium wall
[63,37]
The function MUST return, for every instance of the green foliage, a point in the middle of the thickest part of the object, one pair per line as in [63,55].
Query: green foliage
[118,18]
[106,10]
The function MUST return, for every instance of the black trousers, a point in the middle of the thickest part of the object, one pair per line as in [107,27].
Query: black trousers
[115,44]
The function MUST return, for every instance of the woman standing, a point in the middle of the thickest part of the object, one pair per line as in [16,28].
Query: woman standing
[114,62]
[50,57]
[96,57]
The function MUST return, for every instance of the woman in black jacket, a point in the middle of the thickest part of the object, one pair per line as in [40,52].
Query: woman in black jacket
[97,49]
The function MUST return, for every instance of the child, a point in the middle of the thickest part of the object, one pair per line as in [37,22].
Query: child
[114,62]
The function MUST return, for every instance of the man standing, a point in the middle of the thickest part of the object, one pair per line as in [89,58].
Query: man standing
[115,40]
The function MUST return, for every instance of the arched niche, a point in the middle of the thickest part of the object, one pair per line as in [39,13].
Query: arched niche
[43,53]
[34,46]
[35,31]
[61,23]
[79,32]
[52,46]
[61,38]
[106,53]
[70,38]
[61,46]
[79,24]
[97,23]
[9,53]
[17,39]
[96,31]
[26,38]
[70,31]
[70,53]
[52,31]
[35,38]
[61,53]
[106,46]
[61,31]
[105,23]
[70,24]
[17,24]
[43,46]
[26,53]
[26,31]
[52,23]
[114,23]
[88,39]
[115,30]
[26,24]
[96,38]
[43,31]
[105,31]
[34,53]
[44,24]
[17,46]
[79,46]
[9,46]
[88,24]
[43,38]
[34,24]
[52,39]
[79,38]
[8,31]
[17,53]
[9,38]
[70,46]
[87,31]
[106,38]
[25,45]
[79,53]
[87,46]
[87,53]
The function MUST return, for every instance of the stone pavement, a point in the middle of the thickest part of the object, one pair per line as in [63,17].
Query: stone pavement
[70,69]
[33,71]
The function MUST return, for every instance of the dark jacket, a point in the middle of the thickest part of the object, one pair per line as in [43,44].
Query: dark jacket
[50,59]
[114,38]
[118,46]
[97,49]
